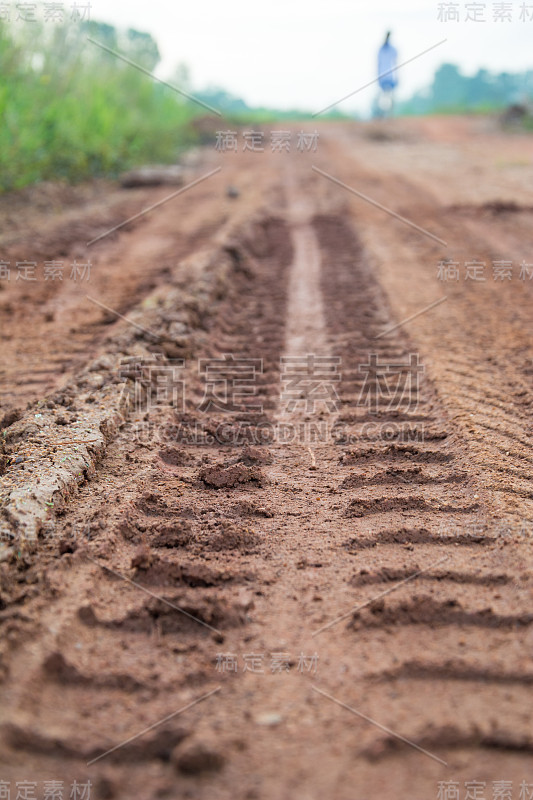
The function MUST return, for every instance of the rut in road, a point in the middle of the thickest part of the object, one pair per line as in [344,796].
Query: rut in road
[263,520]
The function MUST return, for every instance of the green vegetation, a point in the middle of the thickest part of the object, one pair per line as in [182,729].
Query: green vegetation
[453,92]
[237,112]
[70,110]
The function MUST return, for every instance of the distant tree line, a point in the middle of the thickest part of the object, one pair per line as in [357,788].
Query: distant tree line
[451,91]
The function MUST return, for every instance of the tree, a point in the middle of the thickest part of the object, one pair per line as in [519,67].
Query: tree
[448,87]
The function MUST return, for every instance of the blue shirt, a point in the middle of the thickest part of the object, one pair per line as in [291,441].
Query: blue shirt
[387,60]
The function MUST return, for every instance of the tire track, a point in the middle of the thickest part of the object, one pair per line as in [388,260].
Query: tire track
[395,501]
[265,540]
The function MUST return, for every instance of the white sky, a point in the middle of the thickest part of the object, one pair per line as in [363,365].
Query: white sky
[308,54]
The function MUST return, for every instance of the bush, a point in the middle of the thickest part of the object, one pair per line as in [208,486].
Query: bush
[72,111]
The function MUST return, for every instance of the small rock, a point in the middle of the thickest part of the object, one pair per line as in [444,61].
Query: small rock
[269,719]
[153,175]
[264,512]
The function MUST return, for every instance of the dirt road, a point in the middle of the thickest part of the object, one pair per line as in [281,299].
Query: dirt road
[267,502]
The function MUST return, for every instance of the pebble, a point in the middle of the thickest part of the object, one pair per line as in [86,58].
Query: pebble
[269,719]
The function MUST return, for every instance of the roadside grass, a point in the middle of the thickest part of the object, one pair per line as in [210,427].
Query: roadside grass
[71,111]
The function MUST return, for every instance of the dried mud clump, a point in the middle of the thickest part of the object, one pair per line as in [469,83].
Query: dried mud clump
[10,417]
[220,477]
[234,537]
[152,504]
[175,457]
[199,613]
[254,456]
[152,569]
[177,533]
[198,757]
[248,508]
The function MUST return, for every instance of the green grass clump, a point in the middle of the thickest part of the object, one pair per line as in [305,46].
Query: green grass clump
[71,111]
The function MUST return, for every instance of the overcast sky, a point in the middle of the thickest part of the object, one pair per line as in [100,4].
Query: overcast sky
[296,53]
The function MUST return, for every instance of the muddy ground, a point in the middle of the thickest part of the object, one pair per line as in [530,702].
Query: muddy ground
[267,503]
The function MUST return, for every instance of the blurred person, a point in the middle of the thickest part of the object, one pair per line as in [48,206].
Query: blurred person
[387,76]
